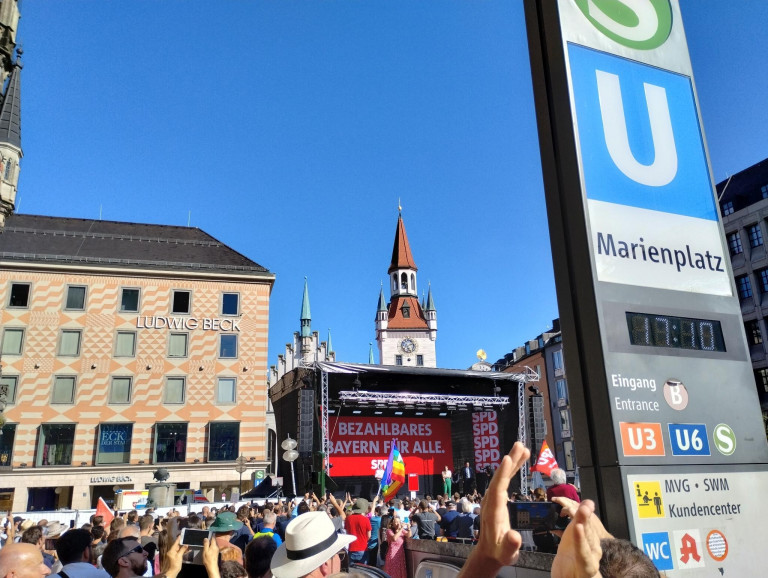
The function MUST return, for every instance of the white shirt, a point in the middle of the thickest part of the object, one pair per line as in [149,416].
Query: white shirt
[82,570]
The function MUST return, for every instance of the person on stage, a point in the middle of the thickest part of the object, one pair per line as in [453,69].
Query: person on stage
[447,477]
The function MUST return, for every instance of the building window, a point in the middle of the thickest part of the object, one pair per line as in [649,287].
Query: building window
[406,309]
[557,359]
[230,303]
[125,344]
[170,442]
[761,378]
[7,171]
[75,298]
[728,208]
[181,302]
[413,282]
[394,282]
[69,342]
[565,421]
[9,385]
[174,390]
[734,243]
[744,287]
[228,346]
[177,344]
[754,335]
[7,436]
[129,300]
[55,443]
[764,191]
[398,359]
[420,360]
[562,390]
[120,392]
[63,389]
[226,390]
[19,295]
[755,235]
[223,441]
[404,282]
[13,341]
[114,443]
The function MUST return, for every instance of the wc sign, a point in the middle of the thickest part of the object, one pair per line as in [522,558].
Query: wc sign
[652,212]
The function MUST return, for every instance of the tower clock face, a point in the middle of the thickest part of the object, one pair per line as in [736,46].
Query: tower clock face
[408,345]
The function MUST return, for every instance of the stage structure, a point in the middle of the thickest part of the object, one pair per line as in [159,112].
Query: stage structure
[345,417]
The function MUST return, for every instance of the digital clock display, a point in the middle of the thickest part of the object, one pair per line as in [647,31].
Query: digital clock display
[679,332]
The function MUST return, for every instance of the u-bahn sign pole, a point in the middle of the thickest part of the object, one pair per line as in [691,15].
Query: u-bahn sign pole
[670,439]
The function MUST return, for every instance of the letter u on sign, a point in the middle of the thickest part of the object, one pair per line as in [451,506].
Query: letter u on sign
[664,166]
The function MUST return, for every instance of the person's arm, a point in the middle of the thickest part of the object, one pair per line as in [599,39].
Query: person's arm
[211,558]
[339,507]
[173,559]
[498,545]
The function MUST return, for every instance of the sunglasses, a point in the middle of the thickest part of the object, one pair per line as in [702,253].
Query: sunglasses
[137,550]
[341,554]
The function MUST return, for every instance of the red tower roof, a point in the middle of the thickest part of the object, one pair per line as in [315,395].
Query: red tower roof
[401,252]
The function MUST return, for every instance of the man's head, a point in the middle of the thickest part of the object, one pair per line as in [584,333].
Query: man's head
[116,524]
[311,548]
[466,464]
[97,520]
[269,519]
[451,505]
[74,546]
[97,533]
[124,557]
[622,559]
[22,561]
[243,512]
[558,476]
[206,511]
[258,556]
[146,523]
[226,523]
[133,517]
[34,536]
[129,532]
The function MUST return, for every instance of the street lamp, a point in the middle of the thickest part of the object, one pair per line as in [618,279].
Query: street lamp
[290,455]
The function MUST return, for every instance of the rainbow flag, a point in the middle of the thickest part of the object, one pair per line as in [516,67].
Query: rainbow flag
[394,474]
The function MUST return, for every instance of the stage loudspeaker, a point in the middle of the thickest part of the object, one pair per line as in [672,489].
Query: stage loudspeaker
[306,421]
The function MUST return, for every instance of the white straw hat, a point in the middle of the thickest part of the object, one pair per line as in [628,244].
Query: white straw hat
[310,540]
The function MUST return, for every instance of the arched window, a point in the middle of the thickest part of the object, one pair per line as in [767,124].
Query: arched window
[7,171]
[406,309]
[404,282]
[394,282]
[413,282]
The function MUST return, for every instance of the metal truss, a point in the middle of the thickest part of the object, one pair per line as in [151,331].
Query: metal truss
[522,435]
[326,437]
[397,398]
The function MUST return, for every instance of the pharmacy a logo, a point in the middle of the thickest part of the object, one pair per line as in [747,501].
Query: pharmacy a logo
[641,24]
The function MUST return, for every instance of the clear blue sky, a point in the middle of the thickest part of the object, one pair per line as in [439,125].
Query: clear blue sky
[290,129]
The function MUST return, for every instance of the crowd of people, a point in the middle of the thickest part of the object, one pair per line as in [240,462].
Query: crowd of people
[314,537]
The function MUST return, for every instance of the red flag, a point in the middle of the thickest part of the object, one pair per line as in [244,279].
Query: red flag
[103,510]
[546,462]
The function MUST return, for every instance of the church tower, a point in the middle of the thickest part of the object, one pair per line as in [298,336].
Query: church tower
[405,331]
[10,108]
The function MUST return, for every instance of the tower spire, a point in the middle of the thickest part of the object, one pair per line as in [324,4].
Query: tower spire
[306,316]
[10,141]
[330,346]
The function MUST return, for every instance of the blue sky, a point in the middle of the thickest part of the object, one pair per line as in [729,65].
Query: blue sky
[290,129]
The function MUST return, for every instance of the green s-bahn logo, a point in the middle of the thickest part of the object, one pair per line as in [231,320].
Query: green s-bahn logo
[641,24]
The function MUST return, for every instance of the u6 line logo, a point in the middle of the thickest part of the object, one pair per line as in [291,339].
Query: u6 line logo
[641,24]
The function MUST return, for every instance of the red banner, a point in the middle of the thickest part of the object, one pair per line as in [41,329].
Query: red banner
[485,428]
[360,445]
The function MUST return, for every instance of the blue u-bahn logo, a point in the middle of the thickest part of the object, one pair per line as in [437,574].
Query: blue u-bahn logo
[639,135]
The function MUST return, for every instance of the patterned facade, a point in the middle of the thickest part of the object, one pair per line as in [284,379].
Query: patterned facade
[140,368]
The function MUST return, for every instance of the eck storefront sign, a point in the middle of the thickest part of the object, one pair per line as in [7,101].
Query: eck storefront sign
[674,446]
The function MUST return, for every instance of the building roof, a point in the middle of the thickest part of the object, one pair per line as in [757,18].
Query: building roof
[744,188]
[306,315]
[89,242]
[10,110]
[402,258]
[416,319]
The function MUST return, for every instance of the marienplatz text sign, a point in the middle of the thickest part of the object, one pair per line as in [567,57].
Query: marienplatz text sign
[668,429]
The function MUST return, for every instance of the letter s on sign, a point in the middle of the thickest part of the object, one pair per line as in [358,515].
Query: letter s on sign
[641,24]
